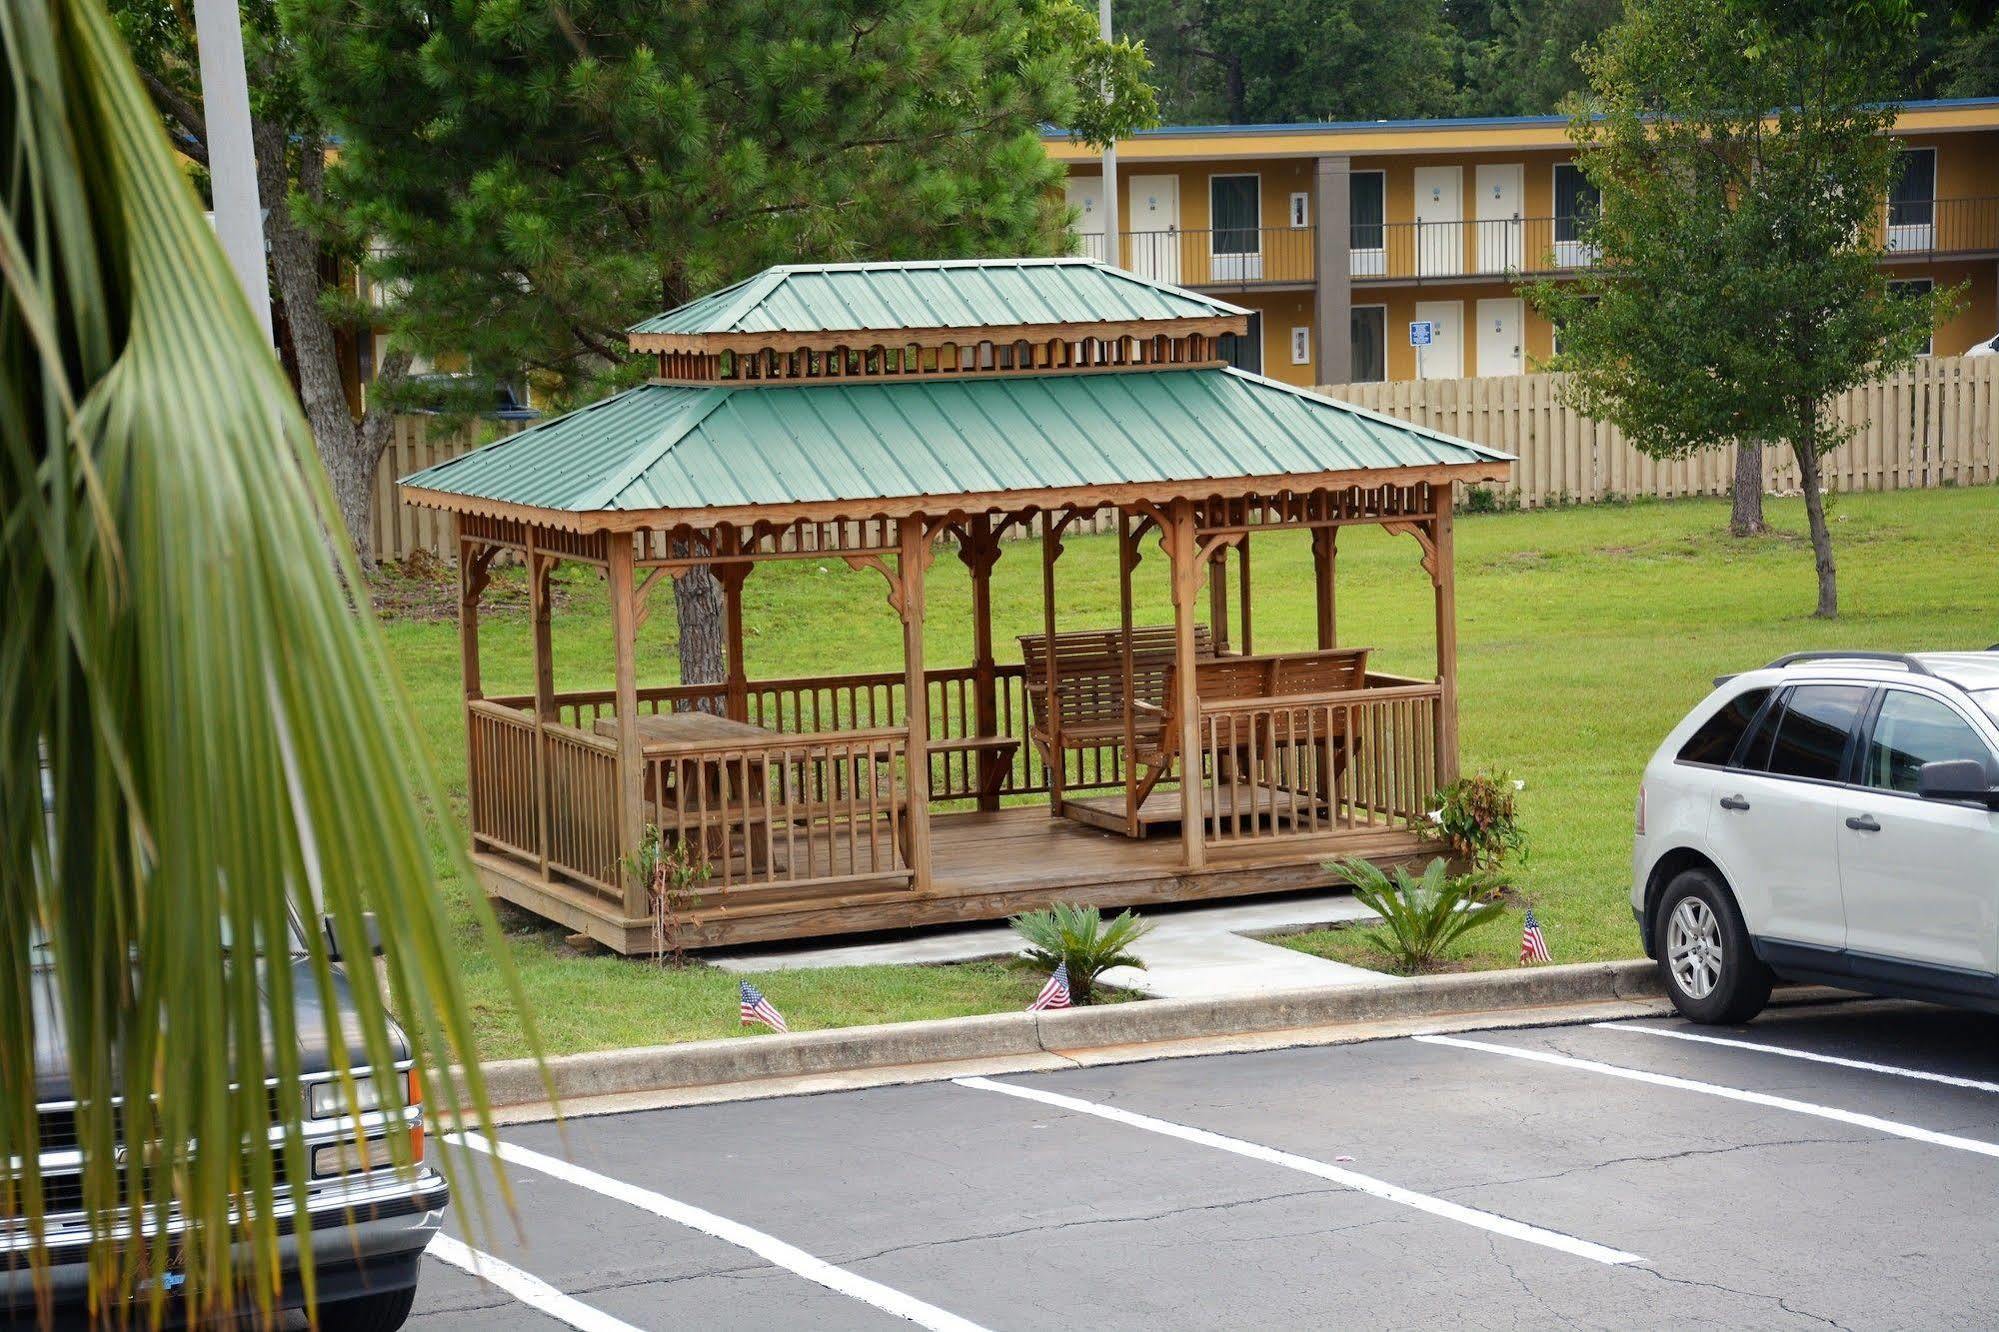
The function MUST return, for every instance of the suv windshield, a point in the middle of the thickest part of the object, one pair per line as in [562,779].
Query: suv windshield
[1989,700]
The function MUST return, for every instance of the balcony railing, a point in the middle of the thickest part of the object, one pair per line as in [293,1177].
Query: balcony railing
[1238,257]
[1524,246]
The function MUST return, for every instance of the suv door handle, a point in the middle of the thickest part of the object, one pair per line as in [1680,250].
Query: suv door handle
[1863,823]
[1734,802]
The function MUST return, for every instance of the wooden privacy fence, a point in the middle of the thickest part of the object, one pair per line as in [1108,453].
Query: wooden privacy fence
[1935,424]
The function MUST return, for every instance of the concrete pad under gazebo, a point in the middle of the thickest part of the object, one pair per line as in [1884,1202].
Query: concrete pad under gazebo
[871,412]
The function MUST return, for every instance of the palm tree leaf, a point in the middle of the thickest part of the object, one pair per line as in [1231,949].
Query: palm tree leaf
[224,742]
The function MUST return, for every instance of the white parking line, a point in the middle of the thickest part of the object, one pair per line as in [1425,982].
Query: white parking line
[526,1287]
[1888,1126]
[1395,1193]
[1863,1065]
[767,1247]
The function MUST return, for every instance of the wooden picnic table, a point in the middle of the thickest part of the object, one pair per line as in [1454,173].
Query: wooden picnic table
[667,729]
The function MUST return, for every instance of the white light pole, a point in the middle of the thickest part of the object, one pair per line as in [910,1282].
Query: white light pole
[1113,252]
[232,156]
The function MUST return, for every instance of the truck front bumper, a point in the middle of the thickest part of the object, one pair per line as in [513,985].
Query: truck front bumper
[360,1245]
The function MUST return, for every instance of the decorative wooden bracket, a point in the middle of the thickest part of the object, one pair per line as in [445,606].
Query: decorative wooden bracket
[475,574]
[1424,538]
[1214,545]
[875,562]
[642,594]
[1056,528]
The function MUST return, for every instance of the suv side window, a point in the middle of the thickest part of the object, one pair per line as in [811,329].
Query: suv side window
[1714,743]
[1812,734]
[1910,730]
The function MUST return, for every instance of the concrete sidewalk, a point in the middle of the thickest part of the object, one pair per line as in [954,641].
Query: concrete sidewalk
[1192,952]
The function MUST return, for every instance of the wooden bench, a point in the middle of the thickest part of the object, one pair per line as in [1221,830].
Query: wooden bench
[992,754]
[1089,675]
[1275,678]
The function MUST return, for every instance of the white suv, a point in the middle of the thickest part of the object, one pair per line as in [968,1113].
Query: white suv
[1833,817]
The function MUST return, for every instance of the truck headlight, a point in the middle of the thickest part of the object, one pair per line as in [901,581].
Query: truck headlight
[325,1100]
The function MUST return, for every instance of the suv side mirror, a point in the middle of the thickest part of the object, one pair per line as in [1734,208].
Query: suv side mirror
[1957,779]
[370,930]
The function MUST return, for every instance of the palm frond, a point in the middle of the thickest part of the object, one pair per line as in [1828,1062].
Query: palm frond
[224,744]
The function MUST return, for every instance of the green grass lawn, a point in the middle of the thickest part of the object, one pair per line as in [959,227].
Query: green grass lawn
[1584,635]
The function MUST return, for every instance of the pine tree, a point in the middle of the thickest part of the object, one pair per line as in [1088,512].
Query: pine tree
[539,174]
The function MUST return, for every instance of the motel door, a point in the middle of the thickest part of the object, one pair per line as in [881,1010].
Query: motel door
[1444,358]
[1085,194]
[1440,221]
[1499,323]
[1154,227]
[1498,187]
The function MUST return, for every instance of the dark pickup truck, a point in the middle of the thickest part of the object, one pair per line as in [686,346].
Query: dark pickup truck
[368,1226]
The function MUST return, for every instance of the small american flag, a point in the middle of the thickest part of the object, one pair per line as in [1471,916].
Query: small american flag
[757,1009]
[1533,948]
[1055,994]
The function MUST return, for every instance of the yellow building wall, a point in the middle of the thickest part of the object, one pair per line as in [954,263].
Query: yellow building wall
[1283,311]
[1538,335]
[1278,180]
[1977,318]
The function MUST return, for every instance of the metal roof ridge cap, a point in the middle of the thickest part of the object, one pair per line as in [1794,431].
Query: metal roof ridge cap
[602,497]
[1430,432]
[757,290]
[1125,274]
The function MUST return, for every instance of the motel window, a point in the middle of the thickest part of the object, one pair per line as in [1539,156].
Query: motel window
[1915,287]
[1234,208]
[1576,201]
[1245,353]
[1370,344]
[1366,209]
[1912,202]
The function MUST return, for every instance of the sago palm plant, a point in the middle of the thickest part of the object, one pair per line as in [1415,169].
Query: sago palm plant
[1080,937]
[181,661]
[1422,917]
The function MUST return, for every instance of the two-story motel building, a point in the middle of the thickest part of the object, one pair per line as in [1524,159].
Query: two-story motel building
[1339,236]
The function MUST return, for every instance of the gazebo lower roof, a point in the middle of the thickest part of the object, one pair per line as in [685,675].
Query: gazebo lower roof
[660,453]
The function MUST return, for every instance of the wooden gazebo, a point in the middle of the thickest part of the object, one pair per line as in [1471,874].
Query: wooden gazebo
[871,413]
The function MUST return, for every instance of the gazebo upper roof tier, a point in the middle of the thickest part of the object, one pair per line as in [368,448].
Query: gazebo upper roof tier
[661,454]
[930,302]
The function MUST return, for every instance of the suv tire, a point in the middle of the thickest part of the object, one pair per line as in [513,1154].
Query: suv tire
[384,1311]
[1705,959]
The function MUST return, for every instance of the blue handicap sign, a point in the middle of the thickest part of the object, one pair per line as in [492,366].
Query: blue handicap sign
[1421,332]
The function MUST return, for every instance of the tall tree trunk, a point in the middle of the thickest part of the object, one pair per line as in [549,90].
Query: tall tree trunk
[1806,450]
[1747,517]
[349,450]
[697,605]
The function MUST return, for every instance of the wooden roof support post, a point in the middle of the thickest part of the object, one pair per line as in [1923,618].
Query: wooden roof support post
[631,765]
[540,617]
[1242,580]
[1325,564]
[1183,552]
[1127,561]
[1444,576]
[913,546]
[736,687]
[1218,600]
[979,551]
[1058,759]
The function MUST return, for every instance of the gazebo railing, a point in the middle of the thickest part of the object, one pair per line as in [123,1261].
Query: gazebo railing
[1313,764]
[825,810]
[556,807]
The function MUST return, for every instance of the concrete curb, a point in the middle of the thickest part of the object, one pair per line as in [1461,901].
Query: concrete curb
[518,1082]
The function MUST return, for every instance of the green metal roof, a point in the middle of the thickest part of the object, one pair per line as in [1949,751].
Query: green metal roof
[663,446]
[937,293]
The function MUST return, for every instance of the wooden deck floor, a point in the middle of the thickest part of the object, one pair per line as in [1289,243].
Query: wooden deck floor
[986,866]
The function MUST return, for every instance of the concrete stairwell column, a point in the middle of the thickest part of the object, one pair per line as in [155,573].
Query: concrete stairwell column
[1333,298]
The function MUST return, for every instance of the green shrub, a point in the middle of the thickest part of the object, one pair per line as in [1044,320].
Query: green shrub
[1422,917]
[1080,937]
[1479,818]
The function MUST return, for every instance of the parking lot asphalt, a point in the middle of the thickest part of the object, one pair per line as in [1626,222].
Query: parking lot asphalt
[1831,1164]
